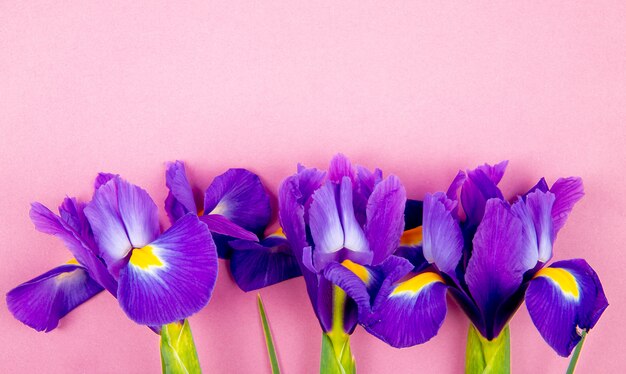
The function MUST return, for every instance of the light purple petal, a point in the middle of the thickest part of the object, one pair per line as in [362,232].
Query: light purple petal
[49,223]
[496,268]
[177,278]
[180,200]
[238,195]
[41,302]
[354,238]
[442,236]
[139,213]
[563,297]
[568,192]
[103,178]
[324,220]
[385,218]
[540,205]
[222,225]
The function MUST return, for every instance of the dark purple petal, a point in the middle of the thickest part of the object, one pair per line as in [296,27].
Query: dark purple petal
[496,268]
[385,218]
[309,180]
[49,223]
[222,225]
[568,192]
[563,297]
[41,302]
[171,278]
[258,265]
[479,186]
[180,200]
[238,195]
[542,185]
[407,311]
[413,213]
[340,167]
[443,239]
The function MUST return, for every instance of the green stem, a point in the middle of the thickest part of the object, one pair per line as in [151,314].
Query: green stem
[269,341]
[579,346]
[178,351]
[484,356]
[336,355]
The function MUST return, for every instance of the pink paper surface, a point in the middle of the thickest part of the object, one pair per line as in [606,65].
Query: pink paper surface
[417,89]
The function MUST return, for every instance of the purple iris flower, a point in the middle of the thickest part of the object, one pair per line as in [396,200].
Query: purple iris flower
[343,227]
[496,258]
[118,246]
[237,210]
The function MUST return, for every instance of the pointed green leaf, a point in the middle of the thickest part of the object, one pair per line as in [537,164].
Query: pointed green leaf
[484,356]
[178,351]
[269,341]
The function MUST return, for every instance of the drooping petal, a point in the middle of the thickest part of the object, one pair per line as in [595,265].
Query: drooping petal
[409,308]
[568,192]
[385,218]
[172,277]
[257,265]
[479,186]
[41,302]
[180,200]
[562,298]
[238,195]
[443,239]
[496,268]
[49,223]
[223,226]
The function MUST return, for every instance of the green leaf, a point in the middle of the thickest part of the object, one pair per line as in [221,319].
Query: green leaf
[484,356]
[178,351]
[269,341]
[336,355]
[572,364]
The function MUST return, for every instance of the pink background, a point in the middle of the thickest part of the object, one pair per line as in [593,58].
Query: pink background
[419,90]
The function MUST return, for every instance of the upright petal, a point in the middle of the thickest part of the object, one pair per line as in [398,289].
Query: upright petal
[171,278]
[325,222]
[562,298]
[41,302]
[49,223]
[496,268]
[122,216]
[385,218]
[535,213]
[238,195]
[442,236]
[354,238]
[340,167]
[180,200]
[103,178]
[257,265]
[480,186]
[568,192]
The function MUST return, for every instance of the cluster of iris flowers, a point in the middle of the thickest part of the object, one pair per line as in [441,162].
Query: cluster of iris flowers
[368,255]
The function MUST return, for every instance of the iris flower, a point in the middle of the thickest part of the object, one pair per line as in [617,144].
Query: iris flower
[117,245]
[497,258]
[237,210]
[343,227]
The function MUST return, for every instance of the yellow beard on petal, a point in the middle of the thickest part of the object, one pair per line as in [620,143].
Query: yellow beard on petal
[359,270]
[417,283]
[145,258]
[561,278]
[412,237]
